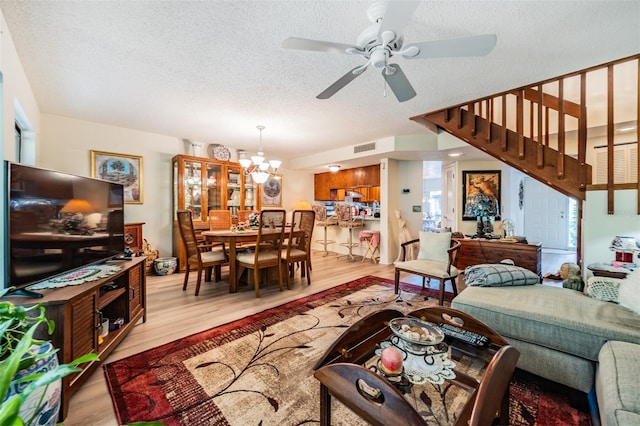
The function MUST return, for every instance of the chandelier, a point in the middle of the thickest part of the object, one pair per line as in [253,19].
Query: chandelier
[259,168]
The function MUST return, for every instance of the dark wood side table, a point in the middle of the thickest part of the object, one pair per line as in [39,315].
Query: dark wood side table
[477,251]
[341,369]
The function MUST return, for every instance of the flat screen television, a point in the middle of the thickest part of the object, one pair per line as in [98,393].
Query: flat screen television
[57,222]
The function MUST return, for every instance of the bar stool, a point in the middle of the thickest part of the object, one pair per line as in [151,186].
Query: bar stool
[324,222]
[347,221]
[372,238]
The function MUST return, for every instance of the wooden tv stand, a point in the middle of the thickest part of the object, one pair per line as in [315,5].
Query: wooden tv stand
[77,309]
[477,251]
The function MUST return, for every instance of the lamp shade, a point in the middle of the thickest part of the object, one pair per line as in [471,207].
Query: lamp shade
[302,205]
[77,205]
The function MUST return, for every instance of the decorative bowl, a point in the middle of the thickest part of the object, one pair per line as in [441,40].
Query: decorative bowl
[165,265]
[416,335]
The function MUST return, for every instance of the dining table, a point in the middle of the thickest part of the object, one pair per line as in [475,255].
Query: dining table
[232,238]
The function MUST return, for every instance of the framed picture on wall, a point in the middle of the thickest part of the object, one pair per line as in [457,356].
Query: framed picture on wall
[272,192]
[120,168]
[481,194]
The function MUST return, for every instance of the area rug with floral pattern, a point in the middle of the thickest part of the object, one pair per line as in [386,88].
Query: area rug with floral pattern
[258,370]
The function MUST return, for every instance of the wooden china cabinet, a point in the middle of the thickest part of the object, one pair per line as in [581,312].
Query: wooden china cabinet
[203,184]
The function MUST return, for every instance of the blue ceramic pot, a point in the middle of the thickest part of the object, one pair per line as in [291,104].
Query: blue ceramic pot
[42,408]
[165,265]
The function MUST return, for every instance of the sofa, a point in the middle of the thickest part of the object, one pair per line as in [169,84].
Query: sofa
[570,338]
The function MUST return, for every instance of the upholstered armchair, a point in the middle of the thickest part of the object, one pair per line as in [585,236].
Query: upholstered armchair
[436,259]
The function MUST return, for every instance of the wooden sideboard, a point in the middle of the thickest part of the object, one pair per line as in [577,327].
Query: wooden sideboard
[78,311]
[476,251]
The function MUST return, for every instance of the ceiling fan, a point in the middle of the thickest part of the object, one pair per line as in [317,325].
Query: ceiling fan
[384,39]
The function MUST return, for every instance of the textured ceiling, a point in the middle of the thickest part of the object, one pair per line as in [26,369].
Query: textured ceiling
[210,71]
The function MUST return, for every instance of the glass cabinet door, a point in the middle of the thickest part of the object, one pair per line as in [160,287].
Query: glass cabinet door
[192,187]
[250,194]
[234,191]
[213,184]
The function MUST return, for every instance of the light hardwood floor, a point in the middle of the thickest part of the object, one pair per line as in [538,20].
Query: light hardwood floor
[172,314]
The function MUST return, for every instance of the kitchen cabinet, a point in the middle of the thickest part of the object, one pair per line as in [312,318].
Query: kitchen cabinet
[203,184]
[330,186]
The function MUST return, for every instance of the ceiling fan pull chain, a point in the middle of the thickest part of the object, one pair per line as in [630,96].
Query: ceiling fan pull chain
[384,87]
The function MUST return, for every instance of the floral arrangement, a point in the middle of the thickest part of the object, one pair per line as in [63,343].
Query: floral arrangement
[254,220]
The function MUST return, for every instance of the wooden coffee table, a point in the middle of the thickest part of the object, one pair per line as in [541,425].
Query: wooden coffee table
[361,344]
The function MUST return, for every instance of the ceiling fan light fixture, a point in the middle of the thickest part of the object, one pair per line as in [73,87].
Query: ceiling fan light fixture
[384,39]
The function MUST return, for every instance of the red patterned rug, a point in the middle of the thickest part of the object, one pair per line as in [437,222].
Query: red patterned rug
[257,370]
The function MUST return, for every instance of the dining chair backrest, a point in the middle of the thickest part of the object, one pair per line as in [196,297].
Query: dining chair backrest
[219,220]
[187,233]
[243,215]
[271,230]
[302,220]
[343,212]
[320,211]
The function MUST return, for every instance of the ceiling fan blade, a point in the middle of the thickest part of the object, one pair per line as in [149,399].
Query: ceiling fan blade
[340,83]
[399,83]
[469,46]
[397,16]
[315,45]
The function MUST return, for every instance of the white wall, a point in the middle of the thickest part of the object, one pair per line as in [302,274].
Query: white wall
[15,89]
[410,178]
[602,227]
[67,144]
[389,199]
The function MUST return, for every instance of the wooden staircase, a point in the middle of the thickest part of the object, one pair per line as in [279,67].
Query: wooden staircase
[542,129]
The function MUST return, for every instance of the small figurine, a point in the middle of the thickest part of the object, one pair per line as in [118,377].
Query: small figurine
[571,278]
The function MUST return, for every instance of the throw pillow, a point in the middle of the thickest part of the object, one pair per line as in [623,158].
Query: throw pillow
[434,246]
[603,288]
[499,275]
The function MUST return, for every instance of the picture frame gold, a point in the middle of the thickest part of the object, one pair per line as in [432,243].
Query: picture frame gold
[271,191]
[124,169]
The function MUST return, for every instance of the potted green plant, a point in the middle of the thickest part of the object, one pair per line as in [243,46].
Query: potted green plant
[21,355]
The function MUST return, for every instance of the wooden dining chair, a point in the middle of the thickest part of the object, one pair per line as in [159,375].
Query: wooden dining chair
[243,215]
[199,256]
[266,253]
[220,220]
[298,248]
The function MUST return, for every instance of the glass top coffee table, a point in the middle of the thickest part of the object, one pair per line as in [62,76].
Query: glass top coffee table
[437,385]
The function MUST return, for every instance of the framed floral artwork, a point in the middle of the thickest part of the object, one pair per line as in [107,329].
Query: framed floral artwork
[481,194]
[120,168]
[272,192]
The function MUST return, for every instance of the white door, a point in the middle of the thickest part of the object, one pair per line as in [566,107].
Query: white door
[546,215]
[449,198]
